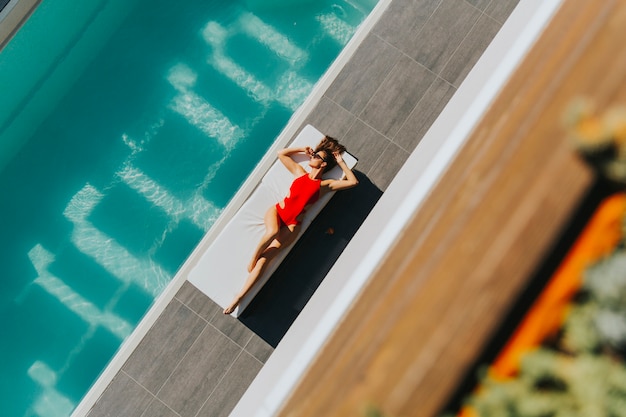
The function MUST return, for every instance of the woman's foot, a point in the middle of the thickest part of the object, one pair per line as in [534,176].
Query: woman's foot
[232,306]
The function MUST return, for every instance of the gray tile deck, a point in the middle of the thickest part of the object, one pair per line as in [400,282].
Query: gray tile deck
[197,362]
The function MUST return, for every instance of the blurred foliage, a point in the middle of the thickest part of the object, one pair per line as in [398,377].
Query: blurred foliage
[600,138]
[597,321]
[581,371]
[553,383]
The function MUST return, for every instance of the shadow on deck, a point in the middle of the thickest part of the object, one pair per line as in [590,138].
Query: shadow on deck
[284,296]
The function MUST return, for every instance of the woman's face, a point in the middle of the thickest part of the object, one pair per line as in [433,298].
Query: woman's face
[318,159]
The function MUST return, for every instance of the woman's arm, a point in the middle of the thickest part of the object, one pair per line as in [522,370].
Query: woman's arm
[350,180]
[284,155]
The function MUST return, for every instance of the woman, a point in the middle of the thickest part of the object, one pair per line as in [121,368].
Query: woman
[282,221]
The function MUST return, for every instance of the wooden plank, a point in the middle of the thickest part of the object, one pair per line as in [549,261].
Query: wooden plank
[429,310]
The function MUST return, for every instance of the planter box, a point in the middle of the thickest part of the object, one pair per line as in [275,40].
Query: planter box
[543,319]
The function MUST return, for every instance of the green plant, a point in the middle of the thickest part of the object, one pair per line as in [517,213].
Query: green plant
[580,374]
[551,383]
[599,321]
[599,138]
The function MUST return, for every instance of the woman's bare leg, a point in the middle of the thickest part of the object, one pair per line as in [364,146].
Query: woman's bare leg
[286,236]
[252,278]
[272,229]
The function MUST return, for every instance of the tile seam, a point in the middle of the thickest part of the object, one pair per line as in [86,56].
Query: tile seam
[169,377]
[165,405]
[380,84]
[393,139]
[462,40]
[218,383]
[245,348]
[212,324]
[417,35]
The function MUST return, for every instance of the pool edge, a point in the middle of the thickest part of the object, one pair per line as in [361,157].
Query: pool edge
[13,16]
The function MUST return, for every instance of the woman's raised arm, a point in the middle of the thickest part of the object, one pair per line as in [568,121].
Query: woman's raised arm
[284,155]
[350,180]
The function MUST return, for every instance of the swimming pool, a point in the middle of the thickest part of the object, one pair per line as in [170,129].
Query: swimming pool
[127,130]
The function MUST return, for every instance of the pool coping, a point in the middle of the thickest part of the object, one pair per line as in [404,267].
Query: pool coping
[13,16]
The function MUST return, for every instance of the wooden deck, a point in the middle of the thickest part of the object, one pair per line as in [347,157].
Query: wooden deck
[468,252]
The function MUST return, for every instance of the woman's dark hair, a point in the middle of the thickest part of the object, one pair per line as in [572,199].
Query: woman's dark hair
[330,145]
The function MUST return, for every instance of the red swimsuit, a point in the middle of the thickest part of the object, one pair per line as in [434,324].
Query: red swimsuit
[303,191]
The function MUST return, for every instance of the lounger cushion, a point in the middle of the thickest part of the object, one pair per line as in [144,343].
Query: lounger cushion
[221,270]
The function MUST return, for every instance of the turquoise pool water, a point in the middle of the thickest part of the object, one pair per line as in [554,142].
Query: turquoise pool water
[126,127]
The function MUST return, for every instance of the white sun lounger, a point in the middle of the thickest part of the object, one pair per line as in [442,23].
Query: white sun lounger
[222,269]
